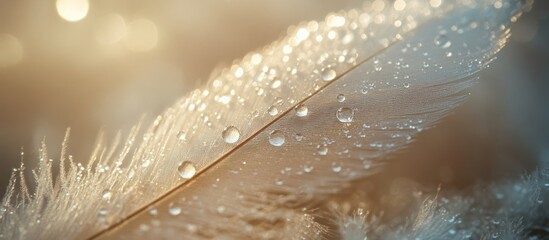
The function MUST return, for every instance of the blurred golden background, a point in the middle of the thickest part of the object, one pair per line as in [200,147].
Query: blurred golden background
[100,64]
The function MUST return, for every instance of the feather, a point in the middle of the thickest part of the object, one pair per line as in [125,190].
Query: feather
[511,209]
[253,153]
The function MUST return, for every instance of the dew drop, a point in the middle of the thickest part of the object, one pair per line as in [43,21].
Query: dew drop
[328,74]
[153,211]
[273,111]
[131,173]
[186,170]
[308,168]
[145,163]
[220,209]
[276,84]
[345,115]
[174,211]
[276,138]
[443,41]
[336,168]
[406,85]
[301,110]
[341,98]
[107,195]
[182,136]
[298,137]
[279,182]
[103,211]
[231,134]
[322,150]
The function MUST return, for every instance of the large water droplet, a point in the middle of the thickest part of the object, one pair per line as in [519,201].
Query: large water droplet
[272,110]
[276,138]
[186,170]
[341,98]
[443,41]
[328,74]
[231,134]
[301,110]
[345,115]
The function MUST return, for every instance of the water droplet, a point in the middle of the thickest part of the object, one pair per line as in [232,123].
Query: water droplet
[220,209]
[174,211]
[257,58]
[239,72]
[345,115]
[107,195]
[323,150]
[301,110]
[231,134]
[272,110]
[308,168]
[144,227]
[186,170]
[298,137]
[182,136]
[279,182]
[153,211]
[500,196]
[103,211]
[443,41]
[145,163]
[276,84]
[276,138]
[406,85]
[336,168]
[328,74]
[341,98]
[131,173]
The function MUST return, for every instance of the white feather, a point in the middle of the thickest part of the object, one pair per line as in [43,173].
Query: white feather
[400,67]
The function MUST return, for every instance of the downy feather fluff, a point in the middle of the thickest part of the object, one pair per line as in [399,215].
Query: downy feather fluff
[274,135]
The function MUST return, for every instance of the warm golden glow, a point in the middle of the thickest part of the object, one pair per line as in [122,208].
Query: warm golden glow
[141,35]
[72,10]
[399,5]
[110,29]
[435,3]
[11,51]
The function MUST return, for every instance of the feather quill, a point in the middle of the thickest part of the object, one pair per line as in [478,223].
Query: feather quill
[275,133]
